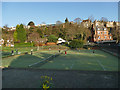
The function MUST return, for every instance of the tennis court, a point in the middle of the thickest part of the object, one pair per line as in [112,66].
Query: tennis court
[73,60]
[82,60]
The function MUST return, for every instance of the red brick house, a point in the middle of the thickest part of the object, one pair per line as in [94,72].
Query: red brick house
[100,33]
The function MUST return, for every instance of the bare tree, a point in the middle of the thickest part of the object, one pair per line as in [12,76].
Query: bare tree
[43,23]
[33,37]
[104,19]
[116,34]
[91,18]
[58,22]
[77,20]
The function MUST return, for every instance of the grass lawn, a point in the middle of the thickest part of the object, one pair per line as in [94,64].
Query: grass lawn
[83,60]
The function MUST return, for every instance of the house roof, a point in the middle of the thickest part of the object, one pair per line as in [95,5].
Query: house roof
[86,20]
[100,27]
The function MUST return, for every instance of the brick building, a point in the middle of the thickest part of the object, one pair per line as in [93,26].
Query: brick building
[100,33]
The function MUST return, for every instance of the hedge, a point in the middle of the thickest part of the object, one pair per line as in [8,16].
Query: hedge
[24,44]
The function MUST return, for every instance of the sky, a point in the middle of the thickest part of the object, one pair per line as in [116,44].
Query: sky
[14,13]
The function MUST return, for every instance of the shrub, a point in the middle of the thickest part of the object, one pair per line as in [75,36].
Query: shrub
[86,46]
[6,54]
[76,43]
[52,38]
[66,43]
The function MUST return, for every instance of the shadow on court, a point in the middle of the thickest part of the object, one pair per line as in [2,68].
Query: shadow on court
[20,78]
[24,61]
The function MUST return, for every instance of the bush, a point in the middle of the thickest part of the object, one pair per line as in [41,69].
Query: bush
[6,54]
[86,46]
[76,43]
[52,38]
[24,44]
[66,43]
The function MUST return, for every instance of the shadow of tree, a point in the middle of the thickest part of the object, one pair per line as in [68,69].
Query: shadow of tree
[24,61]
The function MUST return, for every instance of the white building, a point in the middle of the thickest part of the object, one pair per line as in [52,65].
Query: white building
[41,25]
[1,42]
[109,24]
[118,23]
[13,28]
[60,40]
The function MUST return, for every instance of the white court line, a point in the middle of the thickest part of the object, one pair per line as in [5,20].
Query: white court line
[101,65]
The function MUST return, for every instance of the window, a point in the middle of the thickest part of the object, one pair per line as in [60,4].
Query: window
[110,37]
[105,37]
[99,37]
[105,32]
[96,24]
[98,32]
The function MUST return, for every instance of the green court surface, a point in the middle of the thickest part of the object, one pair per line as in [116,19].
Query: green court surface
[83,60]
[74,60]
[22,61]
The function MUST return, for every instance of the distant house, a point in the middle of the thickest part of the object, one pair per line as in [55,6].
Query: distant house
[50,25]
[39,25]
[28,26]
[9,29]
[100,33]
[9,43]
[1,42]
[98,23]
[86,23]
[118,24]
[13,28]
[110,24]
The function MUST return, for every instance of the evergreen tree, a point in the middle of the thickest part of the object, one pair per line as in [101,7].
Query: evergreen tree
[66,20]
[15,36]
[17,27]
[21,33]
[31,23]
